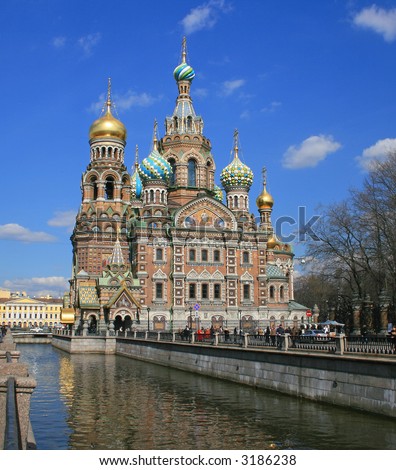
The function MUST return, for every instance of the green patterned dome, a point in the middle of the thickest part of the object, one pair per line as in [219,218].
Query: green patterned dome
[155,167]
[236,174]
[218,193]
[184,72]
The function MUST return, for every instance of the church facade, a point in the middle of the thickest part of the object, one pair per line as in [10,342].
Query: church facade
[164,247]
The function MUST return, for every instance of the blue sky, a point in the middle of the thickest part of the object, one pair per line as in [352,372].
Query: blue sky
[310,85]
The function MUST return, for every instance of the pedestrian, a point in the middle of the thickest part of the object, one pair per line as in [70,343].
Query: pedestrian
[273,335]
[267,335]
[280,336]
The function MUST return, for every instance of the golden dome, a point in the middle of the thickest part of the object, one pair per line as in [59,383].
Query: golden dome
[108,125]
[272,242]
[265,200]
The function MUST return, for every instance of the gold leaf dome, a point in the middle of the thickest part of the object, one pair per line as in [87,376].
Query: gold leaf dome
[107,125]
[265,200]
[273,242]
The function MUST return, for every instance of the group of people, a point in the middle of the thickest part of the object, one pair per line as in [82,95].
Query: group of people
[3,332]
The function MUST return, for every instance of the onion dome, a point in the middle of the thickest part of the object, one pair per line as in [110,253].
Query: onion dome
[218,193]
[107,125]
[265,200]
[136,182]
[272,242]
[184,71]
[155,167]
[236,174]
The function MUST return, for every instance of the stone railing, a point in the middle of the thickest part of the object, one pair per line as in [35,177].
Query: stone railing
[16,388]
[339,344]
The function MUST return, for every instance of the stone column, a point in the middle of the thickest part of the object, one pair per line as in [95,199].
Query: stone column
[24,390]
[357,312]
[368,314]
[384,300]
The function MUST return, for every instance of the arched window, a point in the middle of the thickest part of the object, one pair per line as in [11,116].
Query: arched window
[189,123]
[272,292]
[109,188]
[235,201]
[192,173]
[172,179]
[281,292]
[95,188]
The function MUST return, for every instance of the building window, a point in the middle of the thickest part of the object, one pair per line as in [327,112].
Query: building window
[216,256]
[159,290]
[192,169]
[272,292]
[281,292]
[246,292]
[204,255]
[245,257]
[205,291]
[192,289]
[191,255]
[159,254]
[217,291]
[109,188]
[172,178]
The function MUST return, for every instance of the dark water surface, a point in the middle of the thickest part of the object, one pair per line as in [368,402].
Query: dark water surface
[112,402]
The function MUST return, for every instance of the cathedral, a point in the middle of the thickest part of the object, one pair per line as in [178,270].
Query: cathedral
[163,246]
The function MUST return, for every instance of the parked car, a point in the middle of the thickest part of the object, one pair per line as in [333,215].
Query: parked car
[311,336]
[36,330]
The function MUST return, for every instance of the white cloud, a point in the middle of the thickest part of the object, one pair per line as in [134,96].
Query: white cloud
[87,43]
[128,100]
[63,219]
[59,42]
[272,107]
[38,286]
[310,152]
[18,233]
[203,16]
[377,152]
[379,20]
[230,86]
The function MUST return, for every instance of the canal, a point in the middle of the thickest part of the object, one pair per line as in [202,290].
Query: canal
[112,402]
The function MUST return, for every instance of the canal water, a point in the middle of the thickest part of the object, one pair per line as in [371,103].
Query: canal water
[112,402]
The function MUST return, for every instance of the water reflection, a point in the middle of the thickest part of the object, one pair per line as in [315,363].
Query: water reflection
[111,402]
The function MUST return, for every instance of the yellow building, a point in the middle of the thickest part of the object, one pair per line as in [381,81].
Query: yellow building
[26,312]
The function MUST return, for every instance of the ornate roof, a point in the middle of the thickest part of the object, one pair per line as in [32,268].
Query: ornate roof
[236,174]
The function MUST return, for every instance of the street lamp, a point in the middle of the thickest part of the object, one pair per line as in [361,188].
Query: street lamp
[148,318]
[190,317]
[240,321]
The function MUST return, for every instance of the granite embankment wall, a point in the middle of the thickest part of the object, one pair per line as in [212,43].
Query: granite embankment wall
[357,382]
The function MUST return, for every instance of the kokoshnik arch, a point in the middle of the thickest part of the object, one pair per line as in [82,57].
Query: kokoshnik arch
[165,246]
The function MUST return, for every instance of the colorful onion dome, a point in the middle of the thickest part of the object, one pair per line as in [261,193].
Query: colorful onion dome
[107,125]
[155,167]
[236,174]
[218,193]
[184,71]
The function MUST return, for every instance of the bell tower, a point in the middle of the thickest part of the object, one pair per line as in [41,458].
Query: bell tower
[106,194]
